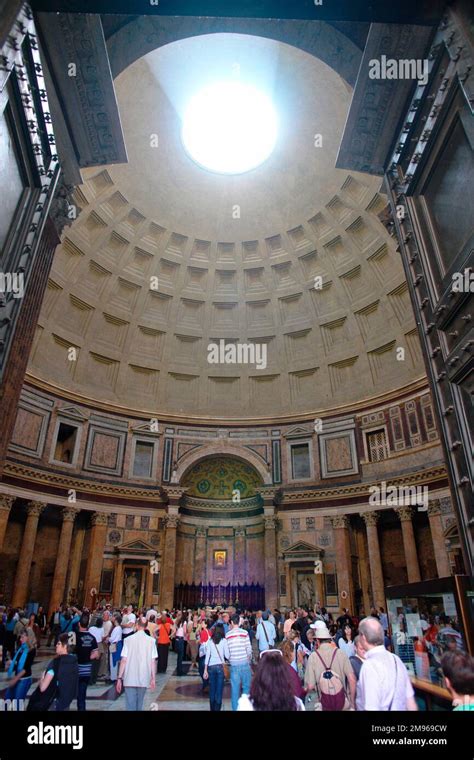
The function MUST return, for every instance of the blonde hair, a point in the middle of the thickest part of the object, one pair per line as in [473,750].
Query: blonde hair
[288,651]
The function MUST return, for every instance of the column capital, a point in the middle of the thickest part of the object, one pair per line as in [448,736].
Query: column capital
[99,518]
[270,522]
[201,532]
[370,518]
[173,495]
[434,507]
[240,533]
[405,514]
[340,521]
[70,513]
[6,502]
[171,521]
[35,508]
[270,495]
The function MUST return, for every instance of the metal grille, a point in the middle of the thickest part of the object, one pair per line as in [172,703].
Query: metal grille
[377,446]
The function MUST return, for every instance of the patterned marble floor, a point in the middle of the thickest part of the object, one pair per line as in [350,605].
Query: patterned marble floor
[172,692]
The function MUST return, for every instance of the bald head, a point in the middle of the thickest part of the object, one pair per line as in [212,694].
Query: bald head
[372,632]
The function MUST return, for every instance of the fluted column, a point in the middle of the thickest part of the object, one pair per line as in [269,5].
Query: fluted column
[437,535]
[200,556]
[20,587]
[341,525]
[95,557]
[169,561]
[376,574]
[62,558]
[6,503]
[240,560]
[405,515]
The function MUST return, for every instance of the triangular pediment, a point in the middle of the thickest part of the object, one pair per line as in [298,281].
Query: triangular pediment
[298,432]
[137,546]
[145,428]
[302,549]
[72,412]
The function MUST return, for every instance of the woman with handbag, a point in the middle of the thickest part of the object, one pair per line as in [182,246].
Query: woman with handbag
[163,642]
[215,667]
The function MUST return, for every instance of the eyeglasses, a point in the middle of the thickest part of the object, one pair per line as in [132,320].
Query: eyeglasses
[271,651]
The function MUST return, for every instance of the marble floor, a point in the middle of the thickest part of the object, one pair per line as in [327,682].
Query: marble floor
[172,692]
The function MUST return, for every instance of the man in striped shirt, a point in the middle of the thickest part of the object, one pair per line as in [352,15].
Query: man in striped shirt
[240,658]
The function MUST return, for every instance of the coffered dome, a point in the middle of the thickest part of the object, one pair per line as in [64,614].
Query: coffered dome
[167,258]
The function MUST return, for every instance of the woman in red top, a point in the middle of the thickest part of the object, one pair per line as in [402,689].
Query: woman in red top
[204,637]
[163,642]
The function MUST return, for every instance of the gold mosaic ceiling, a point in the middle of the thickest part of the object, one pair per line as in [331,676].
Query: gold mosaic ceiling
[144,346]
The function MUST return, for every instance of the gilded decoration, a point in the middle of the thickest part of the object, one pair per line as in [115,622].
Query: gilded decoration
[220,477]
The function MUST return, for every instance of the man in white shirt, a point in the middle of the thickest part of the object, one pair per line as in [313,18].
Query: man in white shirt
[265,634]
[128,622]
[104,660]
[137,666]
[383,683]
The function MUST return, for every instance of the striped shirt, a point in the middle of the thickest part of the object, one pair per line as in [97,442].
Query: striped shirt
[240,649]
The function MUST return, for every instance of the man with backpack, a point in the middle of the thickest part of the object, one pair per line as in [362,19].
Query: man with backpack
[58,684]
[329,678]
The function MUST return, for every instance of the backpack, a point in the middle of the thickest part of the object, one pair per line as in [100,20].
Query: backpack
[41,701]
[331,687]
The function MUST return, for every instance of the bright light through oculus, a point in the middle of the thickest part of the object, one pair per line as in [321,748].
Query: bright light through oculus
[230,127]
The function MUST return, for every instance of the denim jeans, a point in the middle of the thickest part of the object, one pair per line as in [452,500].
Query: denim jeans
[19,692]
[81,692]
[216,686]
[240,675]
[201,669]
[180,646]
[134,696]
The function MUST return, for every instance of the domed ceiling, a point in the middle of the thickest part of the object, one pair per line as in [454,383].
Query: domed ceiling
[167,258]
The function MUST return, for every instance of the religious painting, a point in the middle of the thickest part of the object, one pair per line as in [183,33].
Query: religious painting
[106,581]
[220,558]
[306,589]
[132,584]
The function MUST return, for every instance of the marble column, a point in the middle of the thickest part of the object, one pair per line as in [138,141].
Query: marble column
[174,496]
[20,586]
[268,495]
[58,596]
[95,557]
[118,582]
[169,561]
[405,515]
[76,556]
[6,503]
[376,574]
[437,535]
[271,566]
[342,545]
[200,556]
[240,558]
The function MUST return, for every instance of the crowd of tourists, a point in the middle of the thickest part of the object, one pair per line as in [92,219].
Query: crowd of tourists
[302,659]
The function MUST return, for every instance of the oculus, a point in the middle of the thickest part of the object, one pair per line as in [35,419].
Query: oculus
[229,127]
